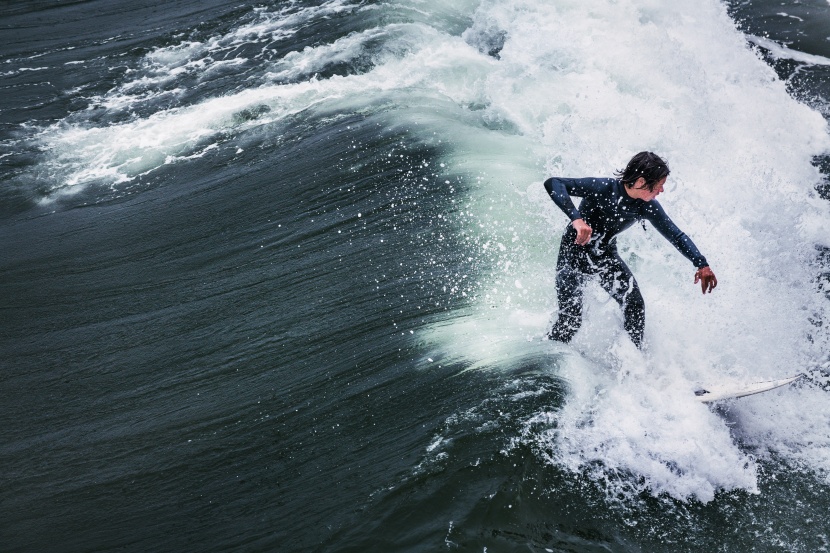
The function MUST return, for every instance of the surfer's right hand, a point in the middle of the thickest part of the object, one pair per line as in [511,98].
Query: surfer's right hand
[583,231]
[706,278]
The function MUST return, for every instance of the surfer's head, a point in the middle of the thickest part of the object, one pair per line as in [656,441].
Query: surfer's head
[647,166]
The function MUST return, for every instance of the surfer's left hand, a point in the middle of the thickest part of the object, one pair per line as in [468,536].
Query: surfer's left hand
[707,279]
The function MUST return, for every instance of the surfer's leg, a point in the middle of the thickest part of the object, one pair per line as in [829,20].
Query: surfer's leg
[572,268]
[569,283]
[616,278]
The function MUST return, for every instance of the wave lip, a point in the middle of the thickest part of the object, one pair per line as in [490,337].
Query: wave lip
[401,59]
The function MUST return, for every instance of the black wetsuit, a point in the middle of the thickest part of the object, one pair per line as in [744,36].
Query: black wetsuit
[608,210]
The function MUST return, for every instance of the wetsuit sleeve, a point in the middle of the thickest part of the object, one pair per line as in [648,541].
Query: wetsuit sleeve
[665,226]
[561,190]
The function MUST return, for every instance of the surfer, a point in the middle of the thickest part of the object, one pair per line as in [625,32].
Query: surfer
[589,245]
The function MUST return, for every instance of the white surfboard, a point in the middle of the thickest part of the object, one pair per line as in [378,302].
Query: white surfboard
[731,391]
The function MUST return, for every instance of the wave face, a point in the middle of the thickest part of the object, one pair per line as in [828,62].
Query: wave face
[278,276]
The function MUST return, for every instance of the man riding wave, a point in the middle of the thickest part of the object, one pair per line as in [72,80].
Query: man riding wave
[589,246]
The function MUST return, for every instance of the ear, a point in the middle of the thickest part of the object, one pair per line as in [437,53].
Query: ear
[639,183]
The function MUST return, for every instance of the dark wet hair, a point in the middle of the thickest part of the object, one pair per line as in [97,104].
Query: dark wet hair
[648,165]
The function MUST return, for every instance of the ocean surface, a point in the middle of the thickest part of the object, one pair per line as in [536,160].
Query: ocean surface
[276,275]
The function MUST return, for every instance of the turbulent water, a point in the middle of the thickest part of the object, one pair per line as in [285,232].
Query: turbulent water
[276,276]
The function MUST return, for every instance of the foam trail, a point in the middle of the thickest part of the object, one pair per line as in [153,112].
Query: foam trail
[165,67]
[782,52]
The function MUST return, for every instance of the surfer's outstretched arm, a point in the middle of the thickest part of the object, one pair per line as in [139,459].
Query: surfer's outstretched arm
[684,245]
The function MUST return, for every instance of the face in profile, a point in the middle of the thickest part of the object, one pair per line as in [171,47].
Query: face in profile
[640,189]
